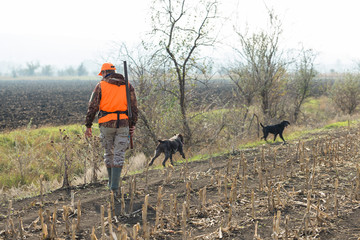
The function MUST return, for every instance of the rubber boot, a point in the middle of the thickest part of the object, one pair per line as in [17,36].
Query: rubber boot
[109,176]
[115,179]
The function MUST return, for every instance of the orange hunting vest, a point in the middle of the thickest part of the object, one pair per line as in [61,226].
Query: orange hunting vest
[113,103]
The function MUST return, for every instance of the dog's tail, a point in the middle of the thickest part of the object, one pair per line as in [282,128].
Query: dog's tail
[262,125]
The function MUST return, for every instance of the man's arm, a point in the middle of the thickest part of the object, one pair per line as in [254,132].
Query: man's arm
[93,108]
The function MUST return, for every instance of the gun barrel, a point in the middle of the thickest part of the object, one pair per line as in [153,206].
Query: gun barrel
[127,91]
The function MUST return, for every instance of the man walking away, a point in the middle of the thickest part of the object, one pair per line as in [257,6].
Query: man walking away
[109,99]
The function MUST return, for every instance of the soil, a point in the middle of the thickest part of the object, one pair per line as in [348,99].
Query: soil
[306,189]
[43,102]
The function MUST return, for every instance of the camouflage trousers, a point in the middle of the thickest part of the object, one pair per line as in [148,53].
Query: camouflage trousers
[115,141]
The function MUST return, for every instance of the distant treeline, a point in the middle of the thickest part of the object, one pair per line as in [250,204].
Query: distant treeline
[36,69]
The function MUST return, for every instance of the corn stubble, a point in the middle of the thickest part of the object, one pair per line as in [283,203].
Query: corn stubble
[299,189]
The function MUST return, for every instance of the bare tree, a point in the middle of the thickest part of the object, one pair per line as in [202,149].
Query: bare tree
[300,82]
[345,93]
[183,28]
[267,67]
[31,67]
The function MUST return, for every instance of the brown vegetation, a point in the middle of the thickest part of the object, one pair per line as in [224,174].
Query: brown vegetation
[308,188]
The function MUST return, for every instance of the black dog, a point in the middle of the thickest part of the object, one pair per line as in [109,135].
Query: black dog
[169,147]
[275,129]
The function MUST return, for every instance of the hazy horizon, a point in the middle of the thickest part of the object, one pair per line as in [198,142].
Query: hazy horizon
[68,33]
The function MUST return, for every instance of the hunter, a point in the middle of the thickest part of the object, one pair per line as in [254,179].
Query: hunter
[110,100]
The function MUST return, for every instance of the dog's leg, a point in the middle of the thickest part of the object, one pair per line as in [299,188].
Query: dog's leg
[265,136]
[157,153]
[167,155]
[171,159]
[281,136]
[181,152]
[275,135]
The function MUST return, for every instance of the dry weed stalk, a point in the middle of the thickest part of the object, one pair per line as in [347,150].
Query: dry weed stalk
[66,218]
[42,223]
[210,162]
[110,222]
[122,233]
[41,190]
[173,210]
[136,228]
[73,230]
[132,193]
[218,179]
[357,188]
[144,217]
[230,215]
[291,168]
[279,202]
[306,219]
[307,173]
[202,195]
[72,199]
[252,204]
[233,192]
[336,207]
[256,235]
[102,222]
[255,165]
[270,206]
[238,170]
[287,219]
[273,199]
[93,235]
[183,221]
[188,190]
[226,188]
[274,160]
[48,217]
[284,173]
[8,225]
[276,225]
[53,224]
[21,228]
[260,179]
[168,173]
[158,208]
[245,183]
[146,176]
[229,166]
[78,216]
[13,230]
[262,163]
[244,173]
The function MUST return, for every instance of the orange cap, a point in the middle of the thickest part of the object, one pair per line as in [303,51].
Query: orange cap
[107,66]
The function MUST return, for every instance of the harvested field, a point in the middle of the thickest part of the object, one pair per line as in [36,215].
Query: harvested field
[43,102]
[306,189]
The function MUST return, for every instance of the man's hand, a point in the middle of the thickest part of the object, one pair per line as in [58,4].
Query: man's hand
[132,130]
[88,132]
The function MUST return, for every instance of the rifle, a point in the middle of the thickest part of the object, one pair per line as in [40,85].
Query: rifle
[128,101]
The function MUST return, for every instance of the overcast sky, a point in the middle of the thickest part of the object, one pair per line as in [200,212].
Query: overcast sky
[68,32]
